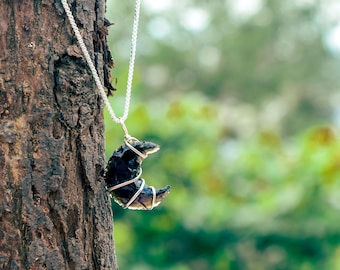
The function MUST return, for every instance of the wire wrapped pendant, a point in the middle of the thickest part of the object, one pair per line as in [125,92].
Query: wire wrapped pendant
[123,171]
[123,176]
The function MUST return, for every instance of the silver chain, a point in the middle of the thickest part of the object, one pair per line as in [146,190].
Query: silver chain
[132,60]
[95,75]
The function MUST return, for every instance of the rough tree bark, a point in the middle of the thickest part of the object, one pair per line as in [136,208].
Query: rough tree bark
[54,211]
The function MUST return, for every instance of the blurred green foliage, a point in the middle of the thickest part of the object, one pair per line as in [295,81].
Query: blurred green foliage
[242,108]
[257,204]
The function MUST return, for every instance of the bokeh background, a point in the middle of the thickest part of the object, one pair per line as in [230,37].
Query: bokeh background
[243,97]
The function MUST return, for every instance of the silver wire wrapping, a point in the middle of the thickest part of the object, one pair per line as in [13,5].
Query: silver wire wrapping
[123,176]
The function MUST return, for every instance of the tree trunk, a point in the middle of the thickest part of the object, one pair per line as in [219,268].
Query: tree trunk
[54,210]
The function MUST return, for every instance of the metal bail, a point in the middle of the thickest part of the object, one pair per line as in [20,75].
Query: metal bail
[126,133]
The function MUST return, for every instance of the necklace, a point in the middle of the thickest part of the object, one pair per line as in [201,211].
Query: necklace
[123,171]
